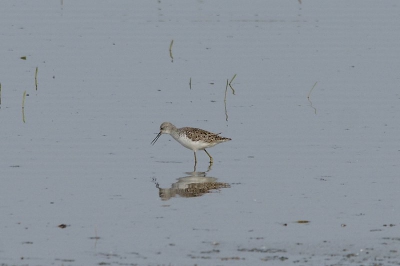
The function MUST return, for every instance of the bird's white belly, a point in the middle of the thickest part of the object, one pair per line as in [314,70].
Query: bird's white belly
[193,145]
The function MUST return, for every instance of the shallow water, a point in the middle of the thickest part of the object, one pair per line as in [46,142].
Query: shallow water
[106,81]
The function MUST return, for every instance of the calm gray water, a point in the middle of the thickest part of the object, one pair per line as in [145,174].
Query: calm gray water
[310,177]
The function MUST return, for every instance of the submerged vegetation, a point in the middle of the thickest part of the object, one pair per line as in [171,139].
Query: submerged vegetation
[170,51]
[36,73]
[308,98]
[23,106]
[228,83]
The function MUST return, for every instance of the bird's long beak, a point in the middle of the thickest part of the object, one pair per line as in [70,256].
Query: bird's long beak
[156,138]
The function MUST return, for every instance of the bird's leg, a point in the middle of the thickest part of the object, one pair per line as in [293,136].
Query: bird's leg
[211,159]
[209,167]
[195,158]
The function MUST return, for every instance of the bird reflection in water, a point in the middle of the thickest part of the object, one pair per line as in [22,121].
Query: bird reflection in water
[195,184]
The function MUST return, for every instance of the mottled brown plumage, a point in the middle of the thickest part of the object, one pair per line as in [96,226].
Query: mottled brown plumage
[192,138]
[197,134]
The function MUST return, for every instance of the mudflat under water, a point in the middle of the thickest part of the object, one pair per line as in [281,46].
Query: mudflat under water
[310,177]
